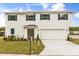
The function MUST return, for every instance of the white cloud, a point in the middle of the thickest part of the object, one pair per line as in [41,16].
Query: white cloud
[44,5]
[2,16]
[2,20]
[21,9]
[57,7]
[29,9]
[6,10]
[77,15]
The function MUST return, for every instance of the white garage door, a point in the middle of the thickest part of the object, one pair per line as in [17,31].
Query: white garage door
[53,34]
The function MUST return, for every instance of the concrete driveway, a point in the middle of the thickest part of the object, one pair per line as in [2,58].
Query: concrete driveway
[59,47]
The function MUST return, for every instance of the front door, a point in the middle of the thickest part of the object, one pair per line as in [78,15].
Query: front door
[30,33]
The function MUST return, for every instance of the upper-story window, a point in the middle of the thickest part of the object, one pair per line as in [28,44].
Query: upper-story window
[30,17]
[62,16]
[12,17]
[44,16]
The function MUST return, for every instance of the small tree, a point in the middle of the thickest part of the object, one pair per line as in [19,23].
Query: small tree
[68,39]
[37,36]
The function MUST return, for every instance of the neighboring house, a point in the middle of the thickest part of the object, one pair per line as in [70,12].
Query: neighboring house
[48,24]
[74,32]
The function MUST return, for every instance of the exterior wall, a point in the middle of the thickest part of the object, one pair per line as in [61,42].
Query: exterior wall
[46,27]
[18,25]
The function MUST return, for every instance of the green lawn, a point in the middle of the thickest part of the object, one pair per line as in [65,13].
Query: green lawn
[75,41]
[20,47]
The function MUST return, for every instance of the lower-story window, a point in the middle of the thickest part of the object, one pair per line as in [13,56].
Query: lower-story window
[12,30]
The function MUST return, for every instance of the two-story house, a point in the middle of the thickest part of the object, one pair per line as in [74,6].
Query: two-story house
[48,24]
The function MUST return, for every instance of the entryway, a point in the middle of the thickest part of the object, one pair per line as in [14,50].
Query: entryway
[30,33]
[30,30]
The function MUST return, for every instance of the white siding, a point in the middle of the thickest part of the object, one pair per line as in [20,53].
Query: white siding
[53,23]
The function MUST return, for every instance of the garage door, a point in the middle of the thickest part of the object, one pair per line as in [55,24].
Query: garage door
[53,34]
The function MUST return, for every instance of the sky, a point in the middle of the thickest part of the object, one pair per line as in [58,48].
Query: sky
[40,7]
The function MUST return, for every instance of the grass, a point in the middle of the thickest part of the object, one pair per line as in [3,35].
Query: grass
[20,47]
[75,41]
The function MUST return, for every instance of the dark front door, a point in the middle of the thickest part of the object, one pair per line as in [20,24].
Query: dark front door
[30,33]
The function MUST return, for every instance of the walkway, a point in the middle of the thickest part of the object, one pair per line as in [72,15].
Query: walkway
[59,47]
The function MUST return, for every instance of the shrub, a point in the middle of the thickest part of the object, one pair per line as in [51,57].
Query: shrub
[68,38]
[11,37]
[14,38]
[37,37]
